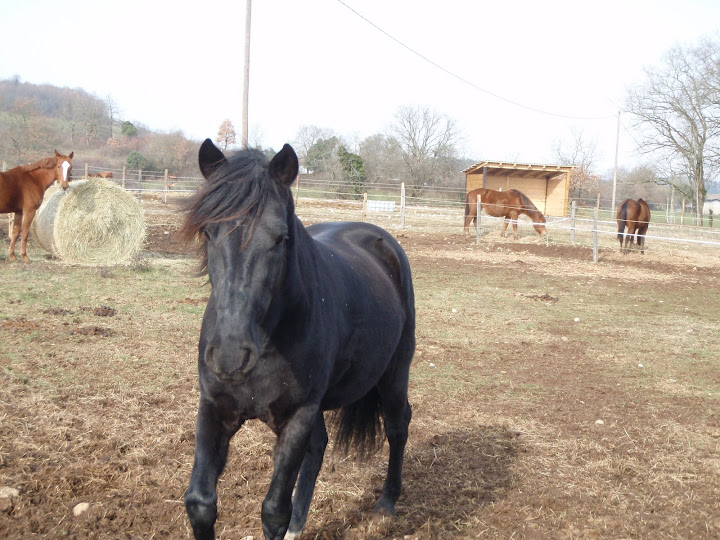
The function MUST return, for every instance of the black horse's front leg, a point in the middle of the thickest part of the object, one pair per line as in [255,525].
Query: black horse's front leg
[312,462]
[290,450]
[211,448]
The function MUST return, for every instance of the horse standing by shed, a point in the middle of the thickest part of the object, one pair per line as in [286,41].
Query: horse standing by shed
[635,215]
[22,190]
[505,204]
[299,321]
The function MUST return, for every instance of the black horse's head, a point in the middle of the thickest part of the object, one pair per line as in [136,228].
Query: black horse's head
[243,217]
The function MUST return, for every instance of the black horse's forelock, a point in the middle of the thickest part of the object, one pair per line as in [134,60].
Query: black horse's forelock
[236,191]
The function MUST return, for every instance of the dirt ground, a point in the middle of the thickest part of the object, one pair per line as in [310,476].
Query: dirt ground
[552,397]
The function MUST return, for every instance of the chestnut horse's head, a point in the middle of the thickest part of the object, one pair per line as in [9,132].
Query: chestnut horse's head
[63,168]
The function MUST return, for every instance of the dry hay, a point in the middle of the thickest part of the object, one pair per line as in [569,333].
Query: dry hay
[94,222]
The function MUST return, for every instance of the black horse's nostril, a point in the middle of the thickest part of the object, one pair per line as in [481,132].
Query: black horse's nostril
[230,365]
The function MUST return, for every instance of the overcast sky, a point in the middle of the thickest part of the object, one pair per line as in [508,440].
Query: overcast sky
[516,76]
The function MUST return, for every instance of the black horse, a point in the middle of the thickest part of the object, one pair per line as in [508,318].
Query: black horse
[299,321]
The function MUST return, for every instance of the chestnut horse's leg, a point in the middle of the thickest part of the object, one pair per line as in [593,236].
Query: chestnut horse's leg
[505,226]
[312,462]
[641,238]
[14,233]
[471,210]
[466,226]
[211,448]
[290,450]
[27,218]
[629,237]
[514,217]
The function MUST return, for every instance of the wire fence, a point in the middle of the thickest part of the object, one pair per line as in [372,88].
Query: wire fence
[436,209]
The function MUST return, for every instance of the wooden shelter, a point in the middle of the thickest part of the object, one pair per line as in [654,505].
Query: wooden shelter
[547,186]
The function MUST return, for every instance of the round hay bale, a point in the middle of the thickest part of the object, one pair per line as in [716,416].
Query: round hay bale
[93,222]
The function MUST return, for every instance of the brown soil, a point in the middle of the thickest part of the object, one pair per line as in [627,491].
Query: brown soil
[527,423]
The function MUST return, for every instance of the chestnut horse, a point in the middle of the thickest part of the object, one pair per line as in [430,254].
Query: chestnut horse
[506,204]
[635,215]
[22,189]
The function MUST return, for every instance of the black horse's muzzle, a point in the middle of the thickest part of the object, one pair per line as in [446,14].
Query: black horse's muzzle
[231,364]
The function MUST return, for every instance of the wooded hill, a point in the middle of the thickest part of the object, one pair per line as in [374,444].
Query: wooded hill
[36,119]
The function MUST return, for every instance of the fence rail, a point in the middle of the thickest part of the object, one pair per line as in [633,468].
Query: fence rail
[432,208]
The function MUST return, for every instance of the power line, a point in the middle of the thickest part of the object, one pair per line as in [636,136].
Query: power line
[463,80]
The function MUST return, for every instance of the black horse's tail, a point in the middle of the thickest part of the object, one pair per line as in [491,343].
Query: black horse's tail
[359,427]
[467,206]
[621,219]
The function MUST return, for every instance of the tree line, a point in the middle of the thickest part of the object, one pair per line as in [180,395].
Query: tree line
[674,115]
[34,119]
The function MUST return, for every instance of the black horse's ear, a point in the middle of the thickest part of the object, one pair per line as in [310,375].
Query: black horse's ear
[284,166]
[210,158]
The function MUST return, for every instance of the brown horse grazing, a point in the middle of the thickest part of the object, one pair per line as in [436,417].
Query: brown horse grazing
[22,189]
[506,204]
[636,216]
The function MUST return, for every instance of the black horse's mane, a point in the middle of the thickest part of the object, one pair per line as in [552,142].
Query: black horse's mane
[237,190]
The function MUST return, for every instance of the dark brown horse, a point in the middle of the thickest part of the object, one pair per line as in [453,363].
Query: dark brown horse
[506,204]
[635,215]
[22,189]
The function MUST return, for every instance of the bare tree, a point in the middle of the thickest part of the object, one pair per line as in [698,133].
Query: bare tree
[307,137]
[428,142]
[382,158]
[226,134]
[677,113]
[26,133]
[112,110]
[580,153]
[90,113]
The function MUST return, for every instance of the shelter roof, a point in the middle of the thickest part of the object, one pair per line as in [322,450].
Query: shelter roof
[521,170]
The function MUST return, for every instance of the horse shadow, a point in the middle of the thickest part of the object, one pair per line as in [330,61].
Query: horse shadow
[453,474]
[446,478]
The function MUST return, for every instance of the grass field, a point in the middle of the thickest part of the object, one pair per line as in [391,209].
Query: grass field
[552,398]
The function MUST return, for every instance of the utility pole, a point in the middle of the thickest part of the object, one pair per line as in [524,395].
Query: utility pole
[617,145]
[246,78]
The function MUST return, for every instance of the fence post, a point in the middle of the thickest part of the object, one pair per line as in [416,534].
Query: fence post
[573,209]
[595,235]
[402,205]
[86,171]
[123,177]
[139,184]
[364,206]
[672,205]
[477,221]
[166,187]
[682,213]
[4,166]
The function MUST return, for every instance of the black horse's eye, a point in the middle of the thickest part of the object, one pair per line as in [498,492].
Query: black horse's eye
[206,233]
[280,239]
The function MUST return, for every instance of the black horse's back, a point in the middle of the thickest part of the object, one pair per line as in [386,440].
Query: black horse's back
[357,423]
